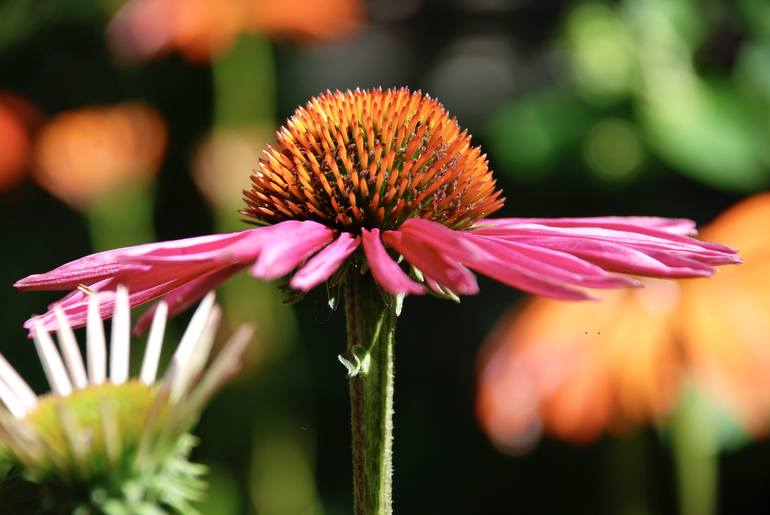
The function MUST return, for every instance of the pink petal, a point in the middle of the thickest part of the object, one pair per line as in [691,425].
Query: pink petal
[321,266]
[237,247]
[386,272]
[681,226]
[488,260]
[616,257]
[558,265]
[111,263]
[288,247]
[70,275]
[441,269]
[185,296]
[142,287]
[641,237]
[153,270]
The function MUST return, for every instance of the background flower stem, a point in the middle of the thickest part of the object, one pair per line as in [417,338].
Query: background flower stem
[281,453]
[124,217]
[695,457]
[371,320]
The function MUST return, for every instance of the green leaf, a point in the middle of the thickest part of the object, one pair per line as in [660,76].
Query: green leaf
[527,136]
[707,133]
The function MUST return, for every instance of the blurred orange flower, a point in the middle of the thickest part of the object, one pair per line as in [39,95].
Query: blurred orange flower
[575,370]
[17,120]
[81,155]
[202,29]
[305,19]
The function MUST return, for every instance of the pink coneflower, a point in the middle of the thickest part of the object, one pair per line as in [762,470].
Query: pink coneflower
[389,172]
[383,195]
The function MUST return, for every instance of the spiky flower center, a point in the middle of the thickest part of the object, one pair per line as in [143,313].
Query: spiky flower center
[372,159]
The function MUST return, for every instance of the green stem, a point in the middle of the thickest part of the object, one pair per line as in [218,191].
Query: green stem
[695,458]
[371,321]
[244,84]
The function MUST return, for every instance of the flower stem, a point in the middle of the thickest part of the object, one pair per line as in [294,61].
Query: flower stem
[695,458]
[371,321]
[122,218]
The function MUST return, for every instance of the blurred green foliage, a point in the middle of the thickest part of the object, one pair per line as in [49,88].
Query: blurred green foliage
[649,62]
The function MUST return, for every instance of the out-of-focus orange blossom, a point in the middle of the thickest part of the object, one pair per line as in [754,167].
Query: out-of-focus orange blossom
[83,154]
[576,370]
[202,29]
[17,120]
[305,19]
[725,321]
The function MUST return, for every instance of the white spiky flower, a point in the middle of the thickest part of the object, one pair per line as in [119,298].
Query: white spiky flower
[109,443]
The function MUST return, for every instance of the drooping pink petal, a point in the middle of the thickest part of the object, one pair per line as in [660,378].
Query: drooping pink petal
[616,257]
[386,272]
[185,296]
[74,306]
[440,268]
[143,287]
[153,270]
[80,271]
[321,266]
[681,226]
[638,237]
[642,251]
[111,263]
[558,265]
[488,260]
[289,247]
[237,247]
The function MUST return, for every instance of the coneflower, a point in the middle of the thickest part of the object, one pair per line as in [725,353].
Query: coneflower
[381,194]
[101,441]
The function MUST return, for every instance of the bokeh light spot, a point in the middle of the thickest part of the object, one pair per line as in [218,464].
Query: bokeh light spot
[612,150]
[601,49]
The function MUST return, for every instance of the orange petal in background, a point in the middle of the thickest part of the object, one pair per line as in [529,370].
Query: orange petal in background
[724,322]
[199,29]
[587,367]
[83,154]
[203,29]
[583,368]
[305,19]
[18,119]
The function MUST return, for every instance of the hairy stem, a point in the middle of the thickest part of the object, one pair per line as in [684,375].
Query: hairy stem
[371,321]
